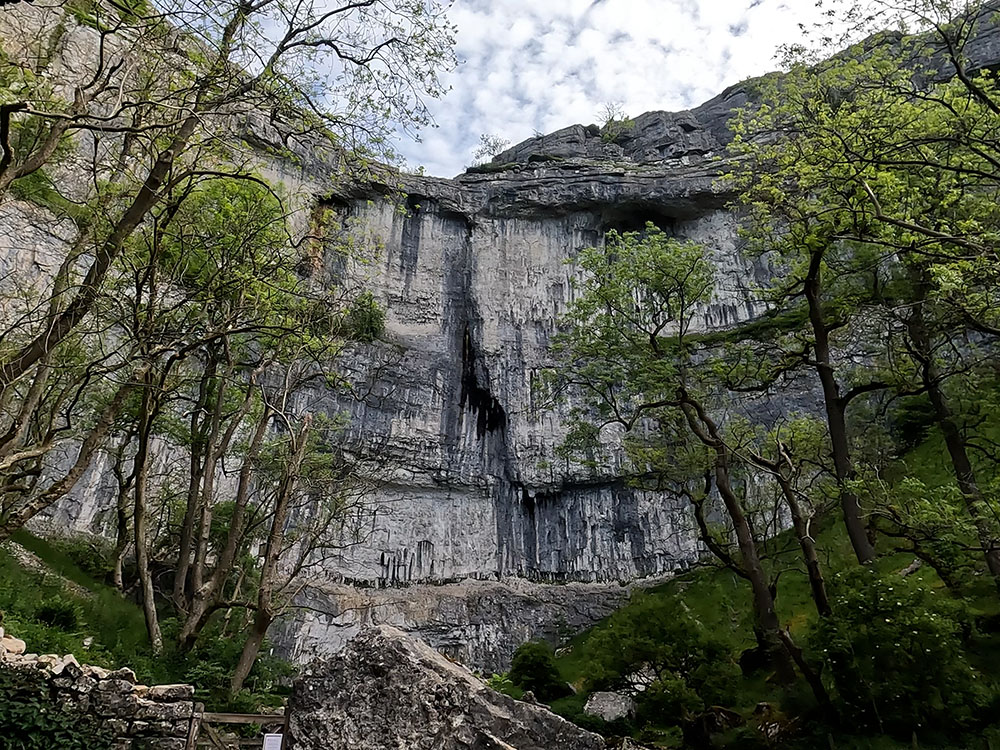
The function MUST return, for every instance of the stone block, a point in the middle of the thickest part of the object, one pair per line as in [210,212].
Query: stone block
[124,673]
[386,690]
[170,693]
[152,711]
[119,727]
[13,645]
[609,706]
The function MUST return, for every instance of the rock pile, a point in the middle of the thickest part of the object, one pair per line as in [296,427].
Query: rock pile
[161,717]
[386,690]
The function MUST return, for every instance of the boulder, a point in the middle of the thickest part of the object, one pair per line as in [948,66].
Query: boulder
[386,689]
[12,645]
[609,706]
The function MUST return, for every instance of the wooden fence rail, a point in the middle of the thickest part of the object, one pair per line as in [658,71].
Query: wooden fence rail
[208,737]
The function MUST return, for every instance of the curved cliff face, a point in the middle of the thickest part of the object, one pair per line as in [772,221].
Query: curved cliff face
[474,274]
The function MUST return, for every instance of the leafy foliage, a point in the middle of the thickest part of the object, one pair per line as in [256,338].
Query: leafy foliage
[30,719]
[655,650]
[895,651]
[533,668]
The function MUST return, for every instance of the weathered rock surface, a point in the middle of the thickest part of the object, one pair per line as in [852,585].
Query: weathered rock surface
[474,273]
[386,690]
[609,706]
[476,622]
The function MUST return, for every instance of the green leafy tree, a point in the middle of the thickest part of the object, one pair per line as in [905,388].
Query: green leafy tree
[895,653]
[168,97]
[875,197]
[534,668]
[665,658]
[627,350]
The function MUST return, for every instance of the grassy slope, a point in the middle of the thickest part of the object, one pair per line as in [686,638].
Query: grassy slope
[721,601]
[115,624]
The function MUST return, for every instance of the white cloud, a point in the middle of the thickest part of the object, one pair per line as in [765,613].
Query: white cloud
[539,65]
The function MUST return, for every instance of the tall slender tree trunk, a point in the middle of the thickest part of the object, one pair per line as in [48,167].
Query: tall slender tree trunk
[836,416]
[800,524]
[140,519]
[251,648]
[205,597]
[195,474]
[954,439]
[264,615]
[122,511]
[767,626]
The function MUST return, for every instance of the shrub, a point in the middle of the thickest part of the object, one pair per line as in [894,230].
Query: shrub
[31,720]
[59,613]
[534,669]
[896,655]
[365,318]
[684,667]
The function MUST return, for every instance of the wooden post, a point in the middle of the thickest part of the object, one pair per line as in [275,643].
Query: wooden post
[192,739]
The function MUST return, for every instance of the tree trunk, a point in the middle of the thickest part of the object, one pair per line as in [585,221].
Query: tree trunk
[835,415]
[807,544]
[954,439]
[121,512]
[61,325]
[767,626]
[248,657]
[272,553]
[91,443]
[205,597]
[139,521]
[195,475]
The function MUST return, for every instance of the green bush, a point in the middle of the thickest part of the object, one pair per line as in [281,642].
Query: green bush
[896,653]
[365,318]
[534,668]
[31,720]
[687,669]
[59,613]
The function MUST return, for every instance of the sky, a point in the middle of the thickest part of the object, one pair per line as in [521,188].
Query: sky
[532,66]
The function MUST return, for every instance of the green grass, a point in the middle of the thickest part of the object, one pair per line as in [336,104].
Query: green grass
[115,629]
[115,624]
[721,601]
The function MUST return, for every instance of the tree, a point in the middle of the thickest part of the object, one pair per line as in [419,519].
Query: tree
[657,652]
[628,350]
[534,668]
[171,97]
[896,183]
[489,146]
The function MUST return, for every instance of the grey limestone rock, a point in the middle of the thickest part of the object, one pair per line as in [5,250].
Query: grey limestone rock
[386,689]
[609,706]
[474,273]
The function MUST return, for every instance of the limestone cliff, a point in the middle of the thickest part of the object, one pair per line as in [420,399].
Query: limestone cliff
[477,514]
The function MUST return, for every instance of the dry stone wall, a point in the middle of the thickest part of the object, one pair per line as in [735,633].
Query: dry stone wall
[139,717]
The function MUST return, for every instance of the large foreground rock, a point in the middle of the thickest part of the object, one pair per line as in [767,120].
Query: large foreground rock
[386,690]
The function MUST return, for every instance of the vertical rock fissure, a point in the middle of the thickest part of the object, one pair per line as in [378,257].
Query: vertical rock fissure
[489,412]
